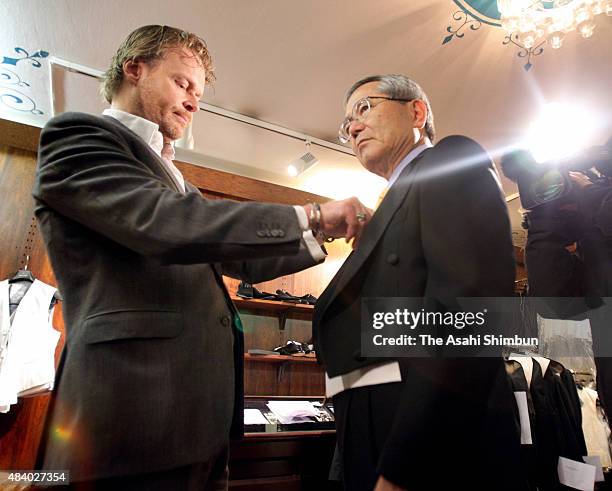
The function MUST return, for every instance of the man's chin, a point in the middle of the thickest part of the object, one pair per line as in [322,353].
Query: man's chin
[173,132]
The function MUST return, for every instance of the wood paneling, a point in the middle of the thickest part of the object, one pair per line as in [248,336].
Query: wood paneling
[16,209]
[283,378]
[17,135]
[245,188]
[21,428]
[258,461]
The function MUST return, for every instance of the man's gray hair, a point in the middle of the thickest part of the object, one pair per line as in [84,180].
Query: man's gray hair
[400,87]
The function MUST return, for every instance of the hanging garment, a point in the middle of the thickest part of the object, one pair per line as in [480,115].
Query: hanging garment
[558,420]
[519,370]
[27,344]
[595,427]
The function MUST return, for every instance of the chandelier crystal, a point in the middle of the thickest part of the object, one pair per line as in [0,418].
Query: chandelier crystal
[535,21]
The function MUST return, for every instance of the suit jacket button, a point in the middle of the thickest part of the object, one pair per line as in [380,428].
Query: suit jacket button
[225,320]
[357,355]
[393,259]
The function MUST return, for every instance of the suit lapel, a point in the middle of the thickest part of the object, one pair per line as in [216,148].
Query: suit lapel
[372,235]
[190,188]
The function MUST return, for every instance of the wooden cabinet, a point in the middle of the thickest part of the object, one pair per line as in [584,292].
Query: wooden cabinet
[284,460]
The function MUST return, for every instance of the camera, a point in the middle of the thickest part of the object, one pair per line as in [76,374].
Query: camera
[541,183]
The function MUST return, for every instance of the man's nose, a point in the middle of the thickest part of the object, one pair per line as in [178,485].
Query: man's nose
[191,105]
[355,128]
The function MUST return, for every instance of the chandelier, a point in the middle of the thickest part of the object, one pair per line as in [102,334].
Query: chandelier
[537,21]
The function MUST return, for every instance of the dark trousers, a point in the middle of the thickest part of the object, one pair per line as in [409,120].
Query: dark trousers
[204,476]
[364,417]
[459,414]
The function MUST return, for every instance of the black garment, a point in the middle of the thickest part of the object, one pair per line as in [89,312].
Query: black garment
[366,414]
[441,232]
[518,381]
[202,476]
[596,243]
[370,418]
[558,422]
[553,270]
[597,251]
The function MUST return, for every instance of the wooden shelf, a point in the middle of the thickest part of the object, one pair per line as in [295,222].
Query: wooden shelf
[288,434]
[281,310]
[279,358]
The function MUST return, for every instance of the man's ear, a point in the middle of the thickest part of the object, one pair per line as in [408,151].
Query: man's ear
[420,113]
[132,70]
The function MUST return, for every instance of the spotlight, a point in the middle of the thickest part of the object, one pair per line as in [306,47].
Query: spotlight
[302,163]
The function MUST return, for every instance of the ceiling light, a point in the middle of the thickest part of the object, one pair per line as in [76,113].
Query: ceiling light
[302,163]
[536,21]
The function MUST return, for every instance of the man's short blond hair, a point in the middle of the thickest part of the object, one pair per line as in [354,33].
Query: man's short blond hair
[148,44]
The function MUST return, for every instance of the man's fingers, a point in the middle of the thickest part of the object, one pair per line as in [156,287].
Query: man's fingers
[345,218]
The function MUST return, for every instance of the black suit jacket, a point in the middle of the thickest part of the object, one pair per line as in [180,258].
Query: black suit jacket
[151,376]
[442,231]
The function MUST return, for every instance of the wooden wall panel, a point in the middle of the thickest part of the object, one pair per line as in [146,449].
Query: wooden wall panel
[244,188]
[16,205]
[283,378]
[21,428]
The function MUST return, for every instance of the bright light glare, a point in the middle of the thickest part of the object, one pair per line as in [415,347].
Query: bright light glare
[342,183]
[292,170]
[559,132]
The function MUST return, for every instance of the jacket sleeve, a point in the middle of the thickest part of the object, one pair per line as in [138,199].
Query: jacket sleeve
[465,229]
[88,172]
[265,269]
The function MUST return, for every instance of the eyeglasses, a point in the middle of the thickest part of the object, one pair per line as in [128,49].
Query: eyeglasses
[360,112]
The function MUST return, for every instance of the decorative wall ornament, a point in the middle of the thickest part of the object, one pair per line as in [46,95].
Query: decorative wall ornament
[466,20]
[13,99]
[477,12]
[34,57]
[524,51]
[483,10]
[8,77]
[9,95]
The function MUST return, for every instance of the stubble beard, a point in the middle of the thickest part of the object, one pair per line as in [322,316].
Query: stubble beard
[170,129]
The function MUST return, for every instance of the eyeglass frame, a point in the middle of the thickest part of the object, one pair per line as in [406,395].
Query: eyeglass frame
[346,122]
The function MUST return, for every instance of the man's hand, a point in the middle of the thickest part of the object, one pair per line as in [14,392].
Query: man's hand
[383,485]
[344,218]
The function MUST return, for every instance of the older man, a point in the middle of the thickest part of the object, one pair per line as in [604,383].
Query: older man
[441,231]
[151,377]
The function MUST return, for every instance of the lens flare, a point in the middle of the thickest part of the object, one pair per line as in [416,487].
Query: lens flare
[559,132]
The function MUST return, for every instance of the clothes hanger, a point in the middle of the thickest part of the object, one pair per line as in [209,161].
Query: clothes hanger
[26,275]
[23,274]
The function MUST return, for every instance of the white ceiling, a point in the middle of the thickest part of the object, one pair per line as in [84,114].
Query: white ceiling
[289,63]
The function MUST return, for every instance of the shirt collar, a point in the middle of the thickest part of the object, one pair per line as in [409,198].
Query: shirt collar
[145,129]
[413,154]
